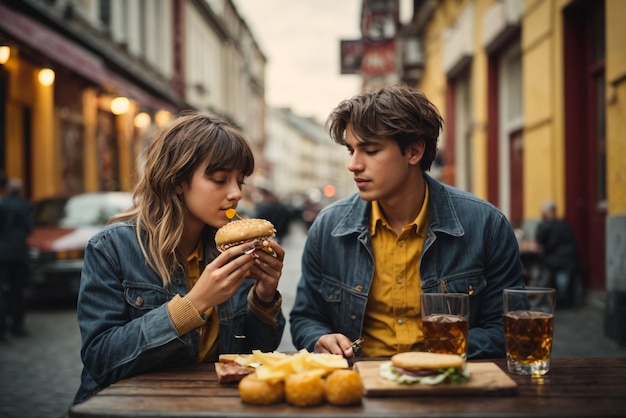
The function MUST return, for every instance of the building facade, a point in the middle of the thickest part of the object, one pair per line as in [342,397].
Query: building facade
[115,71]
[533,93]
[305,163]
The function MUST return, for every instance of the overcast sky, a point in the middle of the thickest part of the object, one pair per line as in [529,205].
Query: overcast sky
[300,39]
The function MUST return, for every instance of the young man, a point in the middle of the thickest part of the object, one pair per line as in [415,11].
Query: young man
[368,257]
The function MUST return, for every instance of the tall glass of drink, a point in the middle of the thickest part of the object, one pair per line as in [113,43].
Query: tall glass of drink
[528,328]
[445,319]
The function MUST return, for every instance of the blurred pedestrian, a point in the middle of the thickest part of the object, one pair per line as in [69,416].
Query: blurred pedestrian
[309,213]
[559,256]
[15,225]
[275,211]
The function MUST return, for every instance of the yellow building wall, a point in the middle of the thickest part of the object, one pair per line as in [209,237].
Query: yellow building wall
[433,81]
[18,96]
[90,148]
[543,109]
[544,137]
[45,154]
[544,118]
[24,91]
[14,142]
[480,105]
[616,106]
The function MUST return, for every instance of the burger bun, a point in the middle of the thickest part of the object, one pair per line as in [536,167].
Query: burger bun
[244,230]
[415,360]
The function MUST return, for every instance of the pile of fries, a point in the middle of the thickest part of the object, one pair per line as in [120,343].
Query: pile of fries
[277,365]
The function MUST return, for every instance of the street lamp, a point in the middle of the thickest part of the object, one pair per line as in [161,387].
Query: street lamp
[142,120]
[120,105]
[46,76]
[162,117]
[5,53]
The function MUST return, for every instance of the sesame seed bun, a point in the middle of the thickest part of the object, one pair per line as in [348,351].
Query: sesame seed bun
[243,230]
[414,360]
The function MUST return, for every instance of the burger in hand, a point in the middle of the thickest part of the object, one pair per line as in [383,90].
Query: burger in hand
[425,368]
[241,231]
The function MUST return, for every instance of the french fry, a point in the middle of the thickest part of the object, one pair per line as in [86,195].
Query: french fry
[277,366]
[268,359]
[327,362]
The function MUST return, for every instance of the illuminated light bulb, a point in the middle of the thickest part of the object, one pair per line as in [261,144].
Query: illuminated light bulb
[5,53]
[329,190]
[120,105]
[161,117]
[46,76]
[142,120]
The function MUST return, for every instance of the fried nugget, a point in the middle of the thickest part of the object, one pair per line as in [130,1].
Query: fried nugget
[305,388]
[344,387]
[256,391]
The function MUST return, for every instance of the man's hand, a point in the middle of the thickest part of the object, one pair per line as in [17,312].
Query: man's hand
[334,344]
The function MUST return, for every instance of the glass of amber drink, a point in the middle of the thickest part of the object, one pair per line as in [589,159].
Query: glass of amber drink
[445,319]
[528,328]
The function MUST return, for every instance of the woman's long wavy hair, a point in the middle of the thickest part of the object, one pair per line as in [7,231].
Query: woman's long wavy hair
[170,160]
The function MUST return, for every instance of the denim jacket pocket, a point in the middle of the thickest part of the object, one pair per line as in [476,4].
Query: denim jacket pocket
[330,290]
[470,283]
[143,297]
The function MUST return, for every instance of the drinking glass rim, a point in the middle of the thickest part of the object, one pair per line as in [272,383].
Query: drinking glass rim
[532,289]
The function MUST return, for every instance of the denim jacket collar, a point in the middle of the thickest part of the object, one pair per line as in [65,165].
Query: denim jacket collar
[443,217]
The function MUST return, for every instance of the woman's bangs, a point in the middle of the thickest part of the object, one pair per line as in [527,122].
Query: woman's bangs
[231,153]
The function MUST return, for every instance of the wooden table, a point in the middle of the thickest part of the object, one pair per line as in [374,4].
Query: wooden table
[573,388]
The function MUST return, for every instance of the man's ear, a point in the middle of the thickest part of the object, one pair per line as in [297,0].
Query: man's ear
[415,152]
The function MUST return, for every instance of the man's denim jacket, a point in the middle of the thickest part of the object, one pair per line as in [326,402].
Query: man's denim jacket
[469,248]
[123,316]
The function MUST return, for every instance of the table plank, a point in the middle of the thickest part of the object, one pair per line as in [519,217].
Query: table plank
[572,388]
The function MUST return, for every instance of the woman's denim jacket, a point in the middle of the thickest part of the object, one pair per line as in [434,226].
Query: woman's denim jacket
[124,322]
[469,248]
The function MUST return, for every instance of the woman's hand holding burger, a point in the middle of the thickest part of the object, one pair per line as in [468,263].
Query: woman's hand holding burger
[221,278]
[268,263]
[266,270]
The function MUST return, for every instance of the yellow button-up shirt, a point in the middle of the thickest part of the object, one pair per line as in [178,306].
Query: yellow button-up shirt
[209,333]
[392,321]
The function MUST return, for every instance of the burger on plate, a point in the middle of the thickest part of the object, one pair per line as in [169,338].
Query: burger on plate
[425,368]
[241,231]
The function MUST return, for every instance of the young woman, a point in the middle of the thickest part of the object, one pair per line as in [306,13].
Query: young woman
[155,292]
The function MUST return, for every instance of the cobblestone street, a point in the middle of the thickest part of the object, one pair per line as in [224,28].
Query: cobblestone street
[40,373]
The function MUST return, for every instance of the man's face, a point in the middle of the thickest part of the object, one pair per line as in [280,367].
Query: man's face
[380,170]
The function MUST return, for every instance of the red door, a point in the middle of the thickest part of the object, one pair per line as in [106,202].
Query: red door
[516,152]
[585,150]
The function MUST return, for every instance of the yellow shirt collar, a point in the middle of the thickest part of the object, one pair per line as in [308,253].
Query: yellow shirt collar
[193,262]
[420,221]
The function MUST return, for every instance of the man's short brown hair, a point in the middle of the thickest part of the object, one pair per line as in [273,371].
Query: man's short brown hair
[398,112]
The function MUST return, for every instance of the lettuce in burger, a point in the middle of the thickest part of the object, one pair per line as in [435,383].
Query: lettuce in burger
[425,368]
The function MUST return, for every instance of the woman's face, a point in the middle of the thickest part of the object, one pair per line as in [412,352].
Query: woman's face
[208,196]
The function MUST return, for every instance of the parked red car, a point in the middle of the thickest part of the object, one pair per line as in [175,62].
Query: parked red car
[62,228]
